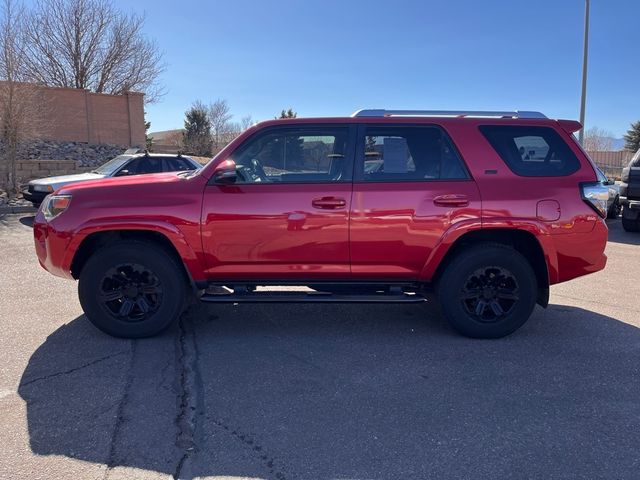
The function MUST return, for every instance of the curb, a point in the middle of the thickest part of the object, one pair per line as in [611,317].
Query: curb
[8,209]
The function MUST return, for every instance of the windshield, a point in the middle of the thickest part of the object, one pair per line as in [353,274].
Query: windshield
[112,165]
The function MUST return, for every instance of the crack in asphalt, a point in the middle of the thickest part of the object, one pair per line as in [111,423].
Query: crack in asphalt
[190,385]
[111,459]
[71,370]
[259,450]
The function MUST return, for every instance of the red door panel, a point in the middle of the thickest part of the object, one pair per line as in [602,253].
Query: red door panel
[269,231]
[395,226]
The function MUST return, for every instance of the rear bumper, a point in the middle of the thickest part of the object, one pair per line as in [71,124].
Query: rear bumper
[579,254]
[54,249]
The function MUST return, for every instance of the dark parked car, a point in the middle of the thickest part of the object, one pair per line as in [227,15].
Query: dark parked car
[630,195]
[129,163]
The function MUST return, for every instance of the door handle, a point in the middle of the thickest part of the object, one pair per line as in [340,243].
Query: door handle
[329,203]
[452,200]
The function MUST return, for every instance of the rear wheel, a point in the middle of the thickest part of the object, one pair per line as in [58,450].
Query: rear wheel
[487,291]
[630,219]
[132,289]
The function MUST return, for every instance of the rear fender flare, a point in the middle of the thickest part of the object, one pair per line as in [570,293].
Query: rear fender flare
[539,231]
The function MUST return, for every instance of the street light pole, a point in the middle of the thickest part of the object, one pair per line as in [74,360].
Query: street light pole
[585,57]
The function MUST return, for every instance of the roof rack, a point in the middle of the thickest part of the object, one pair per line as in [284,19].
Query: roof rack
[446,113]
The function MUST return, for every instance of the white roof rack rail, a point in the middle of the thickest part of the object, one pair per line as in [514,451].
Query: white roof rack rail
[446,113]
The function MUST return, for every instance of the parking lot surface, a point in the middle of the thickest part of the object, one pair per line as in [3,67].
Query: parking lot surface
[319,391]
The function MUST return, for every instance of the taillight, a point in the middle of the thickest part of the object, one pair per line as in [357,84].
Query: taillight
[54,205]
[596,195]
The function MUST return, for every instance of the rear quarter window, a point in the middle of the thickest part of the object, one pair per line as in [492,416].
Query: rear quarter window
[532,151]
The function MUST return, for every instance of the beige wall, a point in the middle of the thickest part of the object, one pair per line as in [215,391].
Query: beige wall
[29,169]
[75,115]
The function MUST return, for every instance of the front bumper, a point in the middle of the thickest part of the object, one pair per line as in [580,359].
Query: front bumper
[34,197]
[632,204]
[55,249]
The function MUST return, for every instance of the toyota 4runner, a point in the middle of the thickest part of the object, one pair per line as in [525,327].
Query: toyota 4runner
[486,208]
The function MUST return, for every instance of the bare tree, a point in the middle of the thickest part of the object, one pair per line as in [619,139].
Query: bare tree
[597,140]
[246,122]
[21,108]
[90,44]
[175,139]
[221,127]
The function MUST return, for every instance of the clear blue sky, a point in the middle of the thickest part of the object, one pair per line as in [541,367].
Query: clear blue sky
[331,57]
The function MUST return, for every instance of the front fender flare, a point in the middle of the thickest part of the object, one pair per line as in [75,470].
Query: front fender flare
[177,238]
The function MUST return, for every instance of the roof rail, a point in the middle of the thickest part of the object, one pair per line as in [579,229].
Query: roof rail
[446,113]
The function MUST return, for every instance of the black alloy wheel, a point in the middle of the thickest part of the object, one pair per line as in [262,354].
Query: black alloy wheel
[490,293]
[131,292]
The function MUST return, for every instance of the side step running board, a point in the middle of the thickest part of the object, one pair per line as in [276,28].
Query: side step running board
[309,297]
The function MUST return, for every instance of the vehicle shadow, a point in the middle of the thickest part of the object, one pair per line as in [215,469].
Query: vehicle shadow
[617,234]
[362,391]
[28,220]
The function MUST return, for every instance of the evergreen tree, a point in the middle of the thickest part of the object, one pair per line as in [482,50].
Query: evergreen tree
[197,130]
[288,114]
[632,137]
[147,139]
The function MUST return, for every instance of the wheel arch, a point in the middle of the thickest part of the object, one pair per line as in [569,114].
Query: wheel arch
[523,240]
[176,247]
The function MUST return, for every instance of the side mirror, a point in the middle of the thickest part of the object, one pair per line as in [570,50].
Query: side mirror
[225,173]
[609,182]
[123,173]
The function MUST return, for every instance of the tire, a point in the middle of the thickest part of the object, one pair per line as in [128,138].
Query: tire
[630,220]
[503,272]
[614,210]
[119,281]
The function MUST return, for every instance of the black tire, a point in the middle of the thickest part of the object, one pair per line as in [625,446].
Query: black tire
[490,272]
[630,220]
[614,209]
[139,275]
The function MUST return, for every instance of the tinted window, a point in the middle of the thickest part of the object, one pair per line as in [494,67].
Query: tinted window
[142,165]
[394,153]
[294,156]
[176,164]
[532,151]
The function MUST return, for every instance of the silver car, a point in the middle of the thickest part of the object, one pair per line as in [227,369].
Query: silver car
[125,164]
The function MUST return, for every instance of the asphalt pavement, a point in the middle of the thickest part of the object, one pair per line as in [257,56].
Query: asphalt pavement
[319,391]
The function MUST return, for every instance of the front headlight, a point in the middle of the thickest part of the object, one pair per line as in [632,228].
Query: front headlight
[42,188]
[54,205]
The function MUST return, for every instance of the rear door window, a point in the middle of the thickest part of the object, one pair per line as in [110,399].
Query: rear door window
[532,151]
[176,164]
[408,154]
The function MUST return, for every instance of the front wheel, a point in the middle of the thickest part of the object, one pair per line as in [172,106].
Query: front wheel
[132,289]
[487,291]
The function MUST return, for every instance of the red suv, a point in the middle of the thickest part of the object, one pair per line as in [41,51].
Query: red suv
[487,208]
